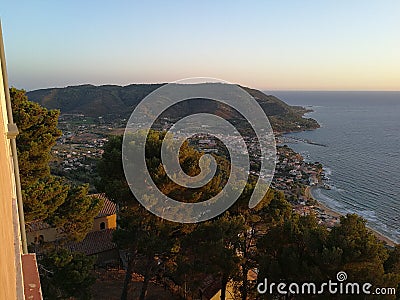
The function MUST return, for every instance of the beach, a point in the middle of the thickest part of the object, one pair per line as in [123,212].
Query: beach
[335,215]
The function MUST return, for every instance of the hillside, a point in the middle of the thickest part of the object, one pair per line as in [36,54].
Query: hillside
[112,101]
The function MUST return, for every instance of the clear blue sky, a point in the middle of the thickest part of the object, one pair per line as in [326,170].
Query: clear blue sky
[298,45]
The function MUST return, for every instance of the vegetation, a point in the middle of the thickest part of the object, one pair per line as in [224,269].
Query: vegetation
[146,237]
[75,217]
[282,245]
[42,192]
[66,274]
[82,175]
[299,250]
[52,199]
[112,101]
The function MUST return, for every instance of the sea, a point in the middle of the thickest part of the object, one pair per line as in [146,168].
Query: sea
[359,146]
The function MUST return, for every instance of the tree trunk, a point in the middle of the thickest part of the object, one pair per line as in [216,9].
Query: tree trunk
[224,282]
[244,269]
[244,281]
[147,276]
[127,280]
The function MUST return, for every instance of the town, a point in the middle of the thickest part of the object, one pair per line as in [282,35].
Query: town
[81,145]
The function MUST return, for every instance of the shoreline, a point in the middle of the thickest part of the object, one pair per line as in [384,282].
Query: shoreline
[318,204]
[334,214]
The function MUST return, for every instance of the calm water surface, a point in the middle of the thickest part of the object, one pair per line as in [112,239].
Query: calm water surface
[362,159]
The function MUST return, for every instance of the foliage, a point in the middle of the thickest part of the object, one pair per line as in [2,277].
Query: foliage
[147,238]
[37,135]
[119,101]
[299,250]
[42,193]
[75,216]
[282,245]
[47,197]
[216,245]
[51,199]
[112,179]
[66,274]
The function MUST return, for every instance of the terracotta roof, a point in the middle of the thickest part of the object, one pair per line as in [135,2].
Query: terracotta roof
[109,208]
[95,242]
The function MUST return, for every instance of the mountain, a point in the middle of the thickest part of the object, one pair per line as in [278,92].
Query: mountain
[114,101]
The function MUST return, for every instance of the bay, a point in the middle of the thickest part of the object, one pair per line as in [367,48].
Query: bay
[361,131]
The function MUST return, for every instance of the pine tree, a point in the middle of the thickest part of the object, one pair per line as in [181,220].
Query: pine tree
[67,274]
[217,243]
[46,197]
[143,234]
[42,193]
[51,199]
[75,216]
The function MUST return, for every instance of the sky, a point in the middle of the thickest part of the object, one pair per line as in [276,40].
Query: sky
[269,45]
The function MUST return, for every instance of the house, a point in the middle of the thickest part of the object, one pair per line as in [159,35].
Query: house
[107,217]
[99,240]
[39,231]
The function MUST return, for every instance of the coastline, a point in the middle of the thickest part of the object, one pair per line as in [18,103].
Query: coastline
[319,208]
[334,214]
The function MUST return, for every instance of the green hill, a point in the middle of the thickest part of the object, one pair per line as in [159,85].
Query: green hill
[114,101]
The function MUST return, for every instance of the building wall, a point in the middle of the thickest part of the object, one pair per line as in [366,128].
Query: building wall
[10,259]
[49,235]
[110,222]
[107,257]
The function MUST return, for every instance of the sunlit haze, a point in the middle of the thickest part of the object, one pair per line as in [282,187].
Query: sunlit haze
[270,45]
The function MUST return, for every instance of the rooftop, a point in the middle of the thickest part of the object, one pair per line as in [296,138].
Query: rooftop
[109,208]
[95,242]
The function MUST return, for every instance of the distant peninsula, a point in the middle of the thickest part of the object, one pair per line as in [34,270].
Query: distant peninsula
[113,101]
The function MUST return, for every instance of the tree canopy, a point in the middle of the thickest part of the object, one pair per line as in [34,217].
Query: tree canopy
[271,238]
[46,197]
[52,199]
